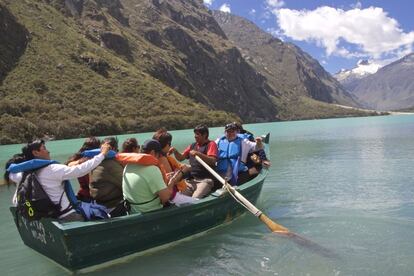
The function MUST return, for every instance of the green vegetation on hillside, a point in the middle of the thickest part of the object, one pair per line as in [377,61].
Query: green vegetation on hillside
[71,68]
[66,85]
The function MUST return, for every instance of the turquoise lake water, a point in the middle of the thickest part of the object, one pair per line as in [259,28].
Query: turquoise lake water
[346,184]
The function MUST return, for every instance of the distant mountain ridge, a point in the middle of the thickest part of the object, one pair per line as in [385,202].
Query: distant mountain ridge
[390,88]
[293,74]
[351,77]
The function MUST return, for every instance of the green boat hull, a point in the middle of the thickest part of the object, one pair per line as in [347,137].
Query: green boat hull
[77,245]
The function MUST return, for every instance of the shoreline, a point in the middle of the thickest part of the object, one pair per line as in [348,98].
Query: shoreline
[369,113]
[376,111]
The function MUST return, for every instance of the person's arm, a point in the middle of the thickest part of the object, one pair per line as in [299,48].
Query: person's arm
[81,169]
[77,162]
[211,155]
[165,194]
[209,159]
[259,143]
[181,156]
[253,146]
[156,184]
[16,178]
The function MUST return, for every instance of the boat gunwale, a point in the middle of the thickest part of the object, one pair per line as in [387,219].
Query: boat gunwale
[73,227]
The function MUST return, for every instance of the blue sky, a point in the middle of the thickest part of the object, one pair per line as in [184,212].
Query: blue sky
[337,33]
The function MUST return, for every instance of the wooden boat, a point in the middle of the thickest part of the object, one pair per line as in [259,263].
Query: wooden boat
[77,245]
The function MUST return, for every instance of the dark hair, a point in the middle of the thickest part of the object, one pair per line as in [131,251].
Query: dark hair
[129,145]
[34,145]
[89,144]
[159,132]
[16,159]
[112,141]
[150,145]
[164,139]
[239,127]
[202,129]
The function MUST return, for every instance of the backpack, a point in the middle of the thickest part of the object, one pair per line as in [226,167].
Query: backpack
[32,201]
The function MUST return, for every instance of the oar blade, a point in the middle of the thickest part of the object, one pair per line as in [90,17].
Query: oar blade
[273,226]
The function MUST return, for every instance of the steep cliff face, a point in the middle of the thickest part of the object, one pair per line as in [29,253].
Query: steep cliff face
[14,39]
[181,44]
[288,69]
[195,58]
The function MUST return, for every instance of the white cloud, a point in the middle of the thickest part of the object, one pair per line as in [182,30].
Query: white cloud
[225,8]
[252,12]
[208,2]
[371,32]
[275,4]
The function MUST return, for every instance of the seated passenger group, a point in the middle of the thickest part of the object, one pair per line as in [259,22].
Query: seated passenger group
[139,180]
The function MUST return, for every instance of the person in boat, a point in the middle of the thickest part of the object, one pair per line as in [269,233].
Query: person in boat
[76,159]
[200,183]
[233,150]
[244,133]
[144,186]
[51,177]
[168,162]
[16,159]
[130,145]
[106,179]
[256,160]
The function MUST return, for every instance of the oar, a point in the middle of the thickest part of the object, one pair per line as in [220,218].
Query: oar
[273,226]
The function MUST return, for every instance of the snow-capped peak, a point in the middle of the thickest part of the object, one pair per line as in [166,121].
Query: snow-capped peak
[363,68]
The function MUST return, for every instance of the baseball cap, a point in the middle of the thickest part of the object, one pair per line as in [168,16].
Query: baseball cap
[231,126]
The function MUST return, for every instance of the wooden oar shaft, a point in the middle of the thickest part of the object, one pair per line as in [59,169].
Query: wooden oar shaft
[273,226]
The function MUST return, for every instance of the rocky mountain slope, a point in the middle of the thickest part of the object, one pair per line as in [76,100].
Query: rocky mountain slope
[390,88]
[294,75]
[73,68]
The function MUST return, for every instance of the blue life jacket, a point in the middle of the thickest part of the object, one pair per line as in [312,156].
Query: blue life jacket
[91,153]
[230,155]
[30,165]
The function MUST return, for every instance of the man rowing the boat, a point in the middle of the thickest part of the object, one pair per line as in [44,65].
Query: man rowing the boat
[201,182]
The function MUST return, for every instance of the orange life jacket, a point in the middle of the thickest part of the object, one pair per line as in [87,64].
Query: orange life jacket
[141,159]
[175,165]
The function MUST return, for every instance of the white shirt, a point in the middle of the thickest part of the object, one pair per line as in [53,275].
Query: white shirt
[51,178]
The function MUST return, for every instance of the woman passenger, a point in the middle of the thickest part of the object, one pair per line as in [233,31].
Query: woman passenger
[76,159]
[130,145]
[169,163]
